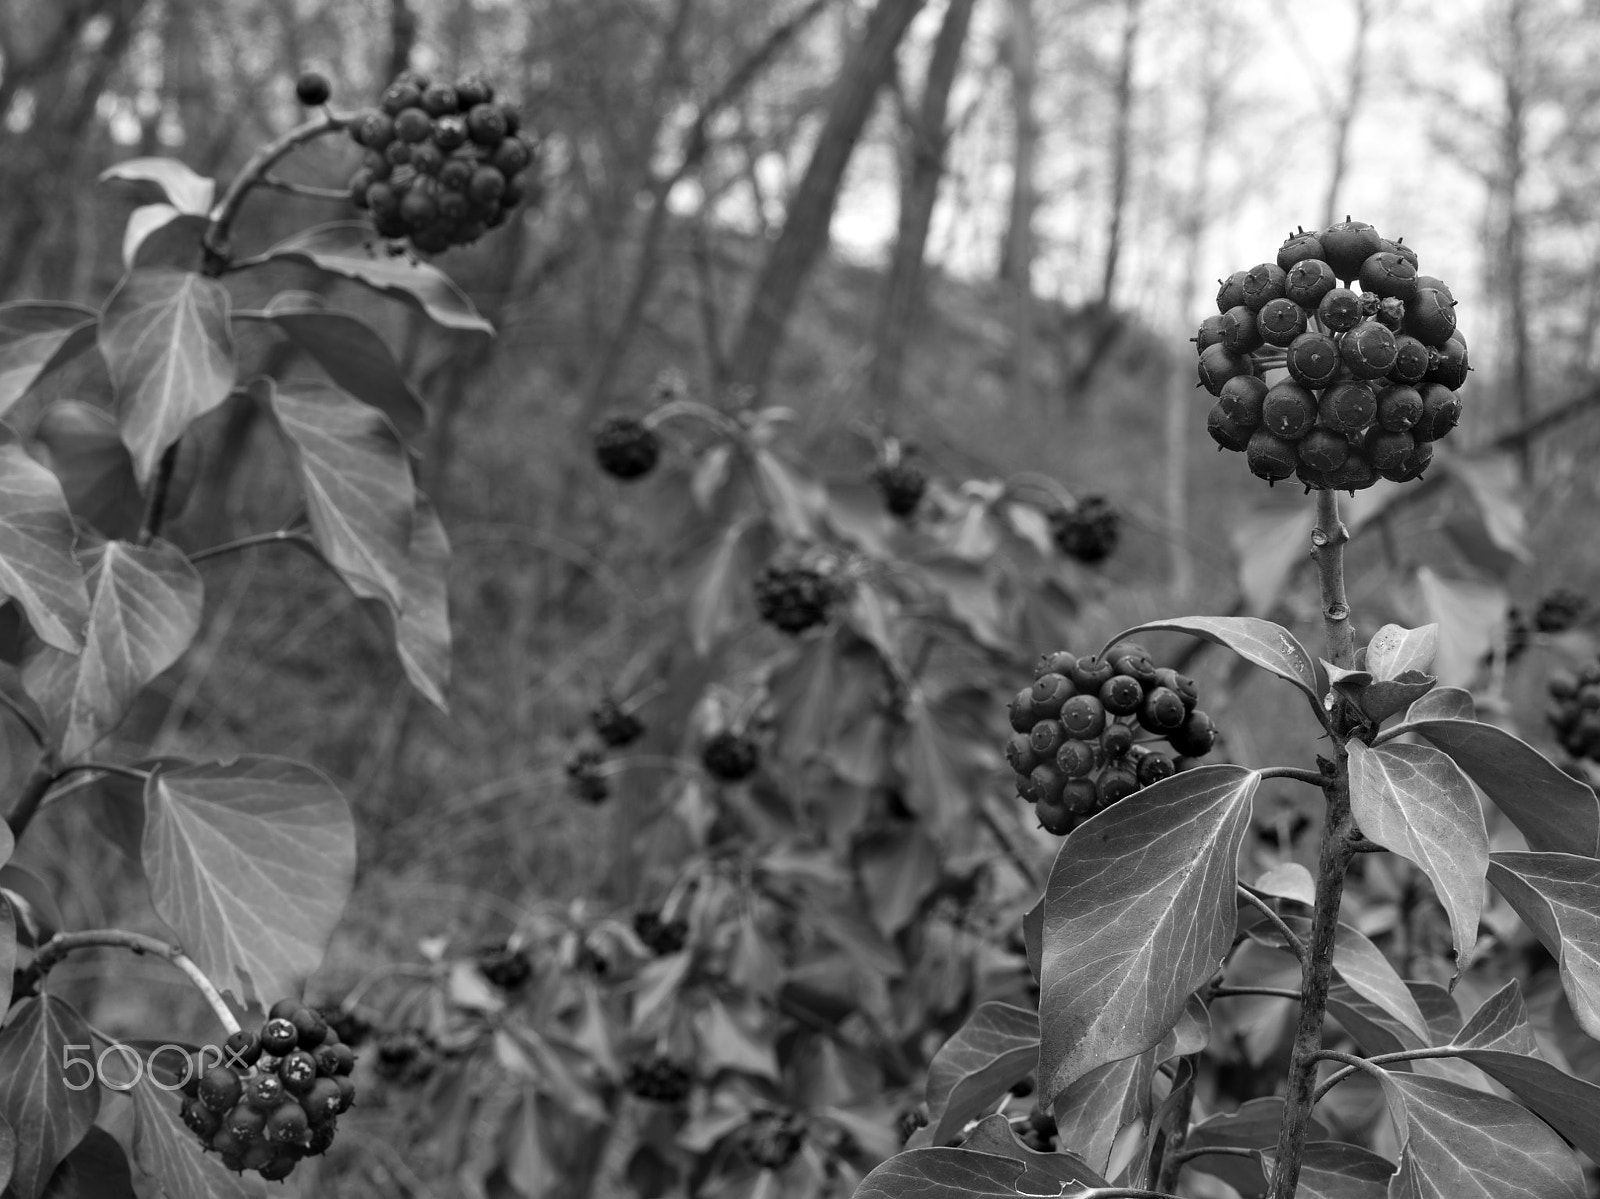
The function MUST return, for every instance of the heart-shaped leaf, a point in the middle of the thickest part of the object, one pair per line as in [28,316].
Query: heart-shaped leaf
[1415,801]
[1139,911]
[1395,650]
[144,612]
[84,450]
[1553,810]
[1046,1172]
[166,339]
[165,1151]
[1336,1170]
[1443,703]
[1458,1143]
[1094,1110]
[997,1047]
[939,1173]
[357,479]
[48,1108]
[35,338]
[184,189]
[1558,897]
[37,568]
[250,862]
[97,1168]
[1260,642]
[353,353]
[350,250]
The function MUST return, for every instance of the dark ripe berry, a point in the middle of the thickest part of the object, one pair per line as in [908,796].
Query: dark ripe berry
[1340,310]
[257,1156]
[1025,791]
[1231,291]
[310,1026]
[1448,364]
[378,164]
[1116,782]
[1308,281]
[1047,737]
[418,209]
[335,1057]
[1088,531]
[1224,431]
[1241,398]
[1262,282]
[400,96]
[455,174]
[1310,477]
[1389,275]
[1121,695]
[1125,649]
[1048,781]
[220,1088]
[200,1119]
[347,1092]
[473,90]
[1388,451]
[1055,817]
[1410,359]
[279,1168]
[1398,246]
[1218,364]
[321,1102]
[1560,610]
[1313,360]
[1020,754]
[1117,740]
[730,756]
[453,206]
[1195,737]
[1153,767]
[412,125]
[1441,409]
[1347,407]
[512,156]
[312,89]
[1290,411]
[1083,717]
[1438,285]
[390,224]
[1240,332]
[1075,759]
[1430,317]
[241,1050]
[321,1138]
[372,129]
[398,153]
[1415,463]
[1322,450]
[359,183]
[426,159]
[288,1124]
[902,484]
[1090,672]
[247,1122]
[486,124]
[1162,710]
[1136,666]
[439,100]
[264,1092]
[298,1071]
[1210,332]
[1348,244]
[1356,474]
[1081,798]
[1399,407]
[1187,691]
[486,185]
[626,448]
[1269,456]
[1050,691]
[225,1143]
[1058,662]
[1280,321]
[1300,247]
[1368,350]
[1022,713]
[509,115]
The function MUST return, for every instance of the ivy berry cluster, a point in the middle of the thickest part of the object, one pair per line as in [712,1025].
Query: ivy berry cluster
[1083,732]
[1088,530]
[626,447]
[505,966]
[1574,711]
[1372,375]
[730,756]
[661,936]
[659,1079]
[794,596]
[277,1095]
[900,478]
[443,161]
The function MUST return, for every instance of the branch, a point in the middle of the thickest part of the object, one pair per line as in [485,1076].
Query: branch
[1273,992]
[60,945]
[1353,1063]
[1327,549]
[228,547]
[1309,777]
[1295,945]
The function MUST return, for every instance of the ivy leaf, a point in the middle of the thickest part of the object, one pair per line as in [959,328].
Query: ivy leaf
[1362,965]
[1415,801]
[37,568]
[8,1153]
[165,337]
[1395,650]
[350,250]
[7,844]
[939,757]
[1253,1126]
[1443,703]
[1558,897]
[185,190]
[353,353]
[1553,810]
[84,450]
[1092,1111]
[1469,615]
[997,1047]
[144,612]
[899,867]
[1458,1143]
[1270,547]
[719,593]
[359,495]
[1501,1023]
[1139,911]
[793,501]
[165,1152]
[1378,698]
[250,862]
[47,1116]
[1288,880]
[1046,1172]
[8,955]
[36,338]
[422,634]
[97,1168]
[1337,1170]
[1373,1026]
[939,1173]
[33,904]
[1259,642]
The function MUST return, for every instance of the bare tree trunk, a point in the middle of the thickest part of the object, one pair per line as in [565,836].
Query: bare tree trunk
[810,212]
[1346,115]
[919,191]
[1121,147]
[1513,169]
[1017,264]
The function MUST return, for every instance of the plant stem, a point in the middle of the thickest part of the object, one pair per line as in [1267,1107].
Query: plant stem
[1294,944]
[1353,1063]
[1327,549]
[33,792]
[1167,1161]
[254,539]
[155,505]
[60,945]
[1273,992]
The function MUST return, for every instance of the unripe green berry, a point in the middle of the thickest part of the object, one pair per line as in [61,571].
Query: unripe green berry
[1083,717]
[1347,407]
[1340,310]
[1269,456]
[1290,411]
[1312,359]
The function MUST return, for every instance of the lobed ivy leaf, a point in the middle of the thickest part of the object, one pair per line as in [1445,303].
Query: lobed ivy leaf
[1139,911]
[1554,811]
[1415,801]
[353,353]
[1045,1173]
[1259,642]
[46,1115]
[167,1154]
[938,1173]
[184,189]
[1558,897]
[360,498]
[1092,1112]
[37,567]
[84,450]
[1338,1170]
[1457,1143]
[997,1047]
[166,340]
[726,1043]
[350,250]
[144,612]
[35,339]
[97,1168]
[250,862]
[1395,650]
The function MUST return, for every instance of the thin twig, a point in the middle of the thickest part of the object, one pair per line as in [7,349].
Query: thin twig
[60,945]
[1273,992]
[1027,869]
[254,539]
[1353,1063]
[1310,777]
[1295,945]
[304,189]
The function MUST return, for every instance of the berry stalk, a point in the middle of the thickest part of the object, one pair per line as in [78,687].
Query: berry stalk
[60,945]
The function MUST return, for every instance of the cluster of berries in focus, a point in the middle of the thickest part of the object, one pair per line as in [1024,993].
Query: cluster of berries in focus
[661,936]
[626,448]
[730,756]
[1372,374]
[1574,711]
[659,1079]
[797,595]
[443,161]
[1083,732]
[1088,530]
[275,1096]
